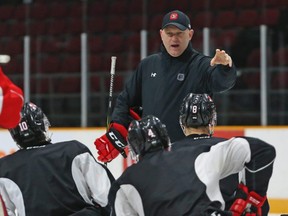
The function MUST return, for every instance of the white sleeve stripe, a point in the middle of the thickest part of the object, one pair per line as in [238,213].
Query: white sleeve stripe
[128,207]
[12,197]
[223,159]
[91,179]
[261,168]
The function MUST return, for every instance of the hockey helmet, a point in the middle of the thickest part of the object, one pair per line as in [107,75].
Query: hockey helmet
[33,127]
[197,110]
[147,134]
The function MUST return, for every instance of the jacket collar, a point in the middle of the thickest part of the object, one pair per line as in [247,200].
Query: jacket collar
[198,136]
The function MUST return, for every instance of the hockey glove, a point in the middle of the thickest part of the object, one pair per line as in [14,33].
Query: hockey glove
[112,143]
[247,203]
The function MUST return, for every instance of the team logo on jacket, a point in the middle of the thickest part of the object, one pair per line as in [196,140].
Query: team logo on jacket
[180,77]
[153,74]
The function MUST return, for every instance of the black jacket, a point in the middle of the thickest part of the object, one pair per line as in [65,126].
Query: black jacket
[161,82]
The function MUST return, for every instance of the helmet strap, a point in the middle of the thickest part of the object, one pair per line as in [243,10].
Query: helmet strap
[211,129]
[183,128]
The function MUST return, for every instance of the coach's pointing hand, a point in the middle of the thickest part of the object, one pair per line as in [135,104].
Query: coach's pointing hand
[221,57]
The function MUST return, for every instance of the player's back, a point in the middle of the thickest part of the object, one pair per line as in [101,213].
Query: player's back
[43,177]
[193,140]
[167,182]
[228,184]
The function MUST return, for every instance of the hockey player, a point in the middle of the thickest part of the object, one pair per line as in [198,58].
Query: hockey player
[185,181]
[51,179]
[197,119]
[11,102]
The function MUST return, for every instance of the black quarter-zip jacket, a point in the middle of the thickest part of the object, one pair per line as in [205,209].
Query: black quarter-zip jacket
[161,82]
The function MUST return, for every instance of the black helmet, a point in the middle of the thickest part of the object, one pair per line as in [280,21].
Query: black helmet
[148,134]
[33,127]
[197,110]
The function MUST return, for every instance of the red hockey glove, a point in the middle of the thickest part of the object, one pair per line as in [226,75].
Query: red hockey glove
[247,203]
[11,102]
[112,143]
[255,201]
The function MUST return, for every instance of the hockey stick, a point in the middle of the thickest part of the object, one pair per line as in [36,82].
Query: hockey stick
[109,110]
[110,100]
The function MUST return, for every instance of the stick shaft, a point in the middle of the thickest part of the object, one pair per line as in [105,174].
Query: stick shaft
[110,100]
[109,111]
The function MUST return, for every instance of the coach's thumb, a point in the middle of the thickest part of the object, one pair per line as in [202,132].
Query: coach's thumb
[212,62]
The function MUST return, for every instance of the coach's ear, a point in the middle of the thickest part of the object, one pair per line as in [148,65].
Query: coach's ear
[191,33]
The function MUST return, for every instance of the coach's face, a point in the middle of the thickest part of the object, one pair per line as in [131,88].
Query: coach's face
[175,41]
